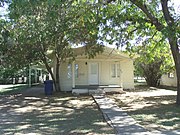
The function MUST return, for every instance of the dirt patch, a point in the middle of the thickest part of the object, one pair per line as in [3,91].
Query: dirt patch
[155,109]
[31,112]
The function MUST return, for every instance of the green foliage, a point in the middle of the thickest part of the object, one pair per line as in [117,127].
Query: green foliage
[133,22]
[53,25]
[47,30]
[128,22]
[4,34]
[8,73]
[154,60]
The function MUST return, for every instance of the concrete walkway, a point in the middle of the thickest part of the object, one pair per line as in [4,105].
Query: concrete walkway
[121,121]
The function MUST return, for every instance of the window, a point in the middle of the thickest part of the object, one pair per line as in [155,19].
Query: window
[94,68]
[118,70]
[69,71]
[171,75]
[76,70]
[115,70]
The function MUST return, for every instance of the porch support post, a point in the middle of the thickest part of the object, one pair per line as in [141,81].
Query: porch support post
[73,75]
[35,75]
[120,78]
[41,76]
[29,76]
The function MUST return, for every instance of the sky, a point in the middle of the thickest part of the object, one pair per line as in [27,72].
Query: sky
[176,5]
[3,10]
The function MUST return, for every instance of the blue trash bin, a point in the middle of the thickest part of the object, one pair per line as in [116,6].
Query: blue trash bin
[48,89]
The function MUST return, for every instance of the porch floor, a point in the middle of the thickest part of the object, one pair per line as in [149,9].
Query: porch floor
[92,89]
[96,86]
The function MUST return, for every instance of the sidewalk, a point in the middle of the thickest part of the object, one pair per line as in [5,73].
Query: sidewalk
[121,121]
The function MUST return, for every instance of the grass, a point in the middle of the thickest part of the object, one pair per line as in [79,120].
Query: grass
[154,109]
[160,116]
[169,88]
[58,114]
[10,89]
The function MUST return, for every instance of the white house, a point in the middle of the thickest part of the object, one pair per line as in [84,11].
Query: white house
[110,70]
[169,79]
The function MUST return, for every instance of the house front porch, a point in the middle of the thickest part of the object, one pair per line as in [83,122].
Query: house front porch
[93,89]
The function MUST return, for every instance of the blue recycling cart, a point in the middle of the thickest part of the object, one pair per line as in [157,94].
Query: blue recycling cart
[48,87]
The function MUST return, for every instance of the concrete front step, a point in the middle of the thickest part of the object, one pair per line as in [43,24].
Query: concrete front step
[98,90]
[87,91]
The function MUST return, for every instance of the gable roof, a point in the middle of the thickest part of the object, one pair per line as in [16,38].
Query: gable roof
[108,53]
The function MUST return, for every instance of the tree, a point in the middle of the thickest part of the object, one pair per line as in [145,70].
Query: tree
[8,68]
[144,18]
[154,60]
[45,30]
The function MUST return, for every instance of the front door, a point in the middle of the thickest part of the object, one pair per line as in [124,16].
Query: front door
[93,74]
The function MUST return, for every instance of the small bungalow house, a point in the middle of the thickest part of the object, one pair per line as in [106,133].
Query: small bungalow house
[169,79]
[110,70]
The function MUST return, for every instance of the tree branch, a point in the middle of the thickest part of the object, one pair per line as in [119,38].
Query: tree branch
[168,18]
[152,18]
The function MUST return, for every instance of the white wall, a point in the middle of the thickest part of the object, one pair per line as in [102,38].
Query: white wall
[65,82]
[167,81]
[105,73]
[82,73]
[126,66]
[127,74]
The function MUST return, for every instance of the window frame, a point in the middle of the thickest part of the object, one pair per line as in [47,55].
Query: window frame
[69,71]
[171,75]
[76,70]
[114,73]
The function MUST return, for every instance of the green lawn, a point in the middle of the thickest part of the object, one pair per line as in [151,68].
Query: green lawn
[9,89]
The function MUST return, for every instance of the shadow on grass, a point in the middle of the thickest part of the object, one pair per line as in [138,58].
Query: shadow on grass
[163,112]
[60,114]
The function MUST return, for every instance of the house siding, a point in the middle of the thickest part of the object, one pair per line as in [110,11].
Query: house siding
[127,74]
[167,81]
[105,60]
[65,82]
[104,72]
[105,75]
[82,73]
[126,67]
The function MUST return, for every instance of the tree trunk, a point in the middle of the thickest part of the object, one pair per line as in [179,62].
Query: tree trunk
[171,31]
[176,56]
[51,73]
[151,72]
[151,82]
[57,82]
[178,85]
